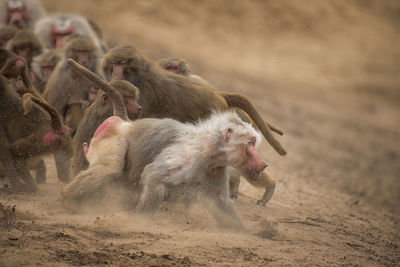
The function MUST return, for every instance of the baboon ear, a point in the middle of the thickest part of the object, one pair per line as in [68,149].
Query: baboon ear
[105,99]
[228,134]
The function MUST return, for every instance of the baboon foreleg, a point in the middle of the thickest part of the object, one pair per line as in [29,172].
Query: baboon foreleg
[152,188]
[234,181]
[15,168]
[62,158]
[38,166]
[220,205]
[23,172]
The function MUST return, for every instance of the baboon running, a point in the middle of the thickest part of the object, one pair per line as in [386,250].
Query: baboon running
[167,95]
[181,67]
[160,154]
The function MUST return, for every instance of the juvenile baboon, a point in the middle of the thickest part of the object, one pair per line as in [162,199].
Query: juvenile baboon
[65,90]
[43,66]
[97,113]
[21,13]
[179,66]
[6,34]
[167,95]
[55,29]
[26,128]
[159,154]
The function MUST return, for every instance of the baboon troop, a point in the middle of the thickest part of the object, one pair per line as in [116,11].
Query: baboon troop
[114,118]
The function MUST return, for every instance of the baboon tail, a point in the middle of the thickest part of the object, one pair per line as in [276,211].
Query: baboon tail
[235,100]
[116,98]
[56,122]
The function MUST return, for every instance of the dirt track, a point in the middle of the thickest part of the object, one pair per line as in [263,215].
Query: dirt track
[327,74]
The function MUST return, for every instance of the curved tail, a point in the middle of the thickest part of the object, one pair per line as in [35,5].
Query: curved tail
[116,98]
[235,100]
[27,98]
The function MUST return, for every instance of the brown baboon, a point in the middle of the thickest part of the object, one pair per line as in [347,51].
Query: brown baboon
[55,29]
[43,66]
[26,44]
[179,66]
[65,90]
[162,154]
[21,13]
[167,95]
[98,112]
[26,135]
[26,128]
[6,34]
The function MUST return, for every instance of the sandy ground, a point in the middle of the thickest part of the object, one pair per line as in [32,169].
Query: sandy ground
[326,72]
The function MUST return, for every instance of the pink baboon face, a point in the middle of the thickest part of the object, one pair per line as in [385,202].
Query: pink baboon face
[243,154]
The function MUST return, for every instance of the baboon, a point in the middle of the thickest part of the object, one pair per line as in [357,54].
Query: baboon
[98,112]
[26,44]
[55,29]
[65,90]
[21,13]
[159,154]
[26,135]
[179,66]
[43,66]
[6,34]
[38,122]
[167,95]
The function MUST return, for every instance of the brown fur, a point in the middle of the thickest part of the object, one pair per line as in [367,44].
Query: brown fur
[25,129]
[6,34]
[43,65]
[26,44]
[65,90]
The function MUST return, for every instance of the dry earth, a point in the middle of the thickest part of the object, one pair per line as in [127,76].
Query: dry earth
[327,72]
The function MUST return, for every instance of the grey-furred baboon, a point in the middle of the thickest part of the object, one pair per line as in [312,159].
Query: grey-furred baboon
[98,112]
[181,67]
[65,90]
[22,14]
[55,29]
[162,154]
[43,66]
[29,127]
[167,95]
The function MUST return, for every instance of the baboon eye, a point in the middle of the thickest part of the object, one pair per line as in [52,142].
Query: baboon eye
[252,142]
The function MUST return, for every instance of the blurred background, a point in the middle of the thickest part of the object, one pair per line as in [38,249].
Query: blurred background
[326,72]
